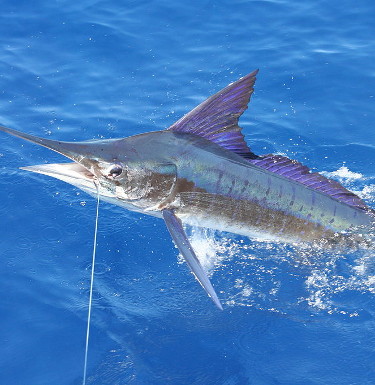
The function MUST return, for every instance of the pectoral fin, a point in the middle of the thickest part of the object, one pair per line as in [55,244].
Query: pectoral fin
[178,234]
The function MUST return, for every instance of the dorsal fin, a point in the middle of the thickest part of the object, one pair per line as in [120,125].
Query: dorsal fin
[216,119]
[296,171]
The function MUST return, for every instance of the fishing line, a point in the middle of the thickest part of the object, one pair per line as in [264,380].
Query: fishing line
[91,286]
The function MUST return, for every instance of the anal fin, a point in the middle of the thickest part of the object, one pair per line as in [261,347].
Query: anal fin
[179,236]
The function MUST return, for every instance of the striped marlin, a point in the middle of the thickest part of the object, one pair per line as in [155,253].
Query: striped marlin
[201,172]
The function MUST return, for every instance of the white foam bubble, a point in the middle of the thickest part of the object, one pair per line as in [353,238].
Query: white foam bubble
[343,174]
[367,193]
[353,181]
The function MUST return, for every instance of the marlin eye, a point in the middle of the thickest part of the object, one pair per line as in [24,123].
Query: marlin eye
[114,171]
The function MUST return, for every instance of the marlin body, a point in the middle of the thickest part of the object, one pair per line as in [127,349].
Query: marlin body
[201,172]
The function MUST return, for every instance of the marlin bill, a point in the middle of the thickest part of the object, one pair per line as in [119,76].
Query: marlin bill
[201,172]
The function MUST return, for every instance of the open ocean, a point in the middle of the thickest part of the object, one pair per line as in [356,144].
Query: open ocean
[78,70]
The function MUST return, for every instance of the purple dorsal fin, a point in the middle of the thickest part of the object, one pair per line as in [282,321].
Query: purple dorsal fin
[216,119]
[296,171]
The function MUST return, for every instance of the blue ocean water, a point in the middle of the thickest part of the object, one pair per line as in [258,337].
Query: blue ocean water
[101,69]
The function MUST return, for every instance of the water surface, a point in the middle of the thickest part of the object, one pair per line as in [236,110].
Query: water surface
[84,70]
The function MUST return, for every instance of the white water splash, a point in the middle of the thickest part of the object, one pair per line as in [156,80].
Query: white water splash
[210,248]
[333,280]
[354,182]
[367,193]
[282,278]
[343,174]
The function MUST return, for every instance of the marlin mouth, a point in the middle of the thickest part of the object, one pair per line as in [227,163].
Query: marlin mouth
[72,173]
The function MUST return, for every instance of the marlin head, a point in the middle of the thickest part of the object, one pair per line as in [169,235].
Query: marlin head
[112,167]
